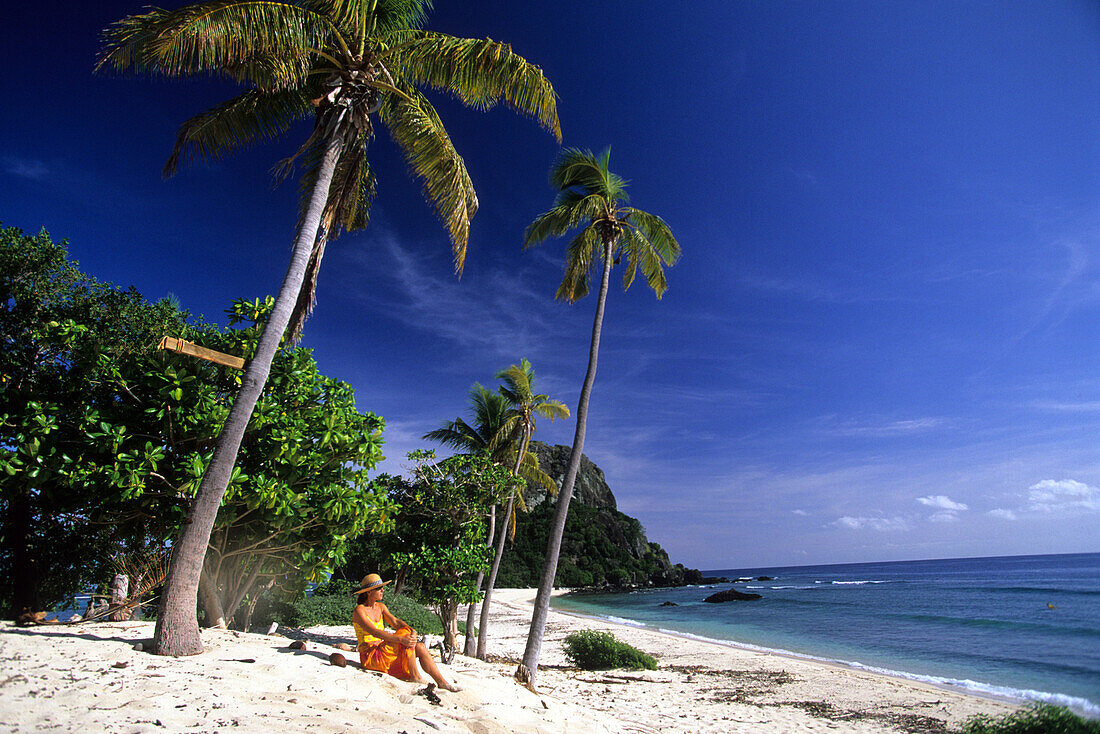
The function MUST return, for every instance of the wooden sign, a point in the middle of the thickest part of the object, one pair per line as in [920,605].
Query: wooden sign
[185,347]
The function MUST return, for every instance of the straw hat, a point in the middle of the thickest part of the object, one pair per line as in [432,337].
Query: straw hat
[370,581]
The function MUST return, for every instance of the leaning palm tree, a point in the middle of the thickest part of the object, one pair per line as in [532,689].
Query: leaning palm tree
[592,198]
[518,389]
[349,65]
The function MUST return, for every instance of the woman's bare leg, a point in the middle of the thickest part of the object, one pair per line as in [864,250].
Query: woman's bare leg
[428,663]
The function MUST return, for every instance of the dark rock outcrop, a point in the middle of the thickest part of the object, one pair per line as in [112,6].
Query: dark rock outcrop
[731,595]
[590,487]
[602,549]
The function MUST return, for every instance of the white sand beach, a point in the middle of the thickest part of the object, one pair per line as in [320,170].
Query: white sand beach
[90,677]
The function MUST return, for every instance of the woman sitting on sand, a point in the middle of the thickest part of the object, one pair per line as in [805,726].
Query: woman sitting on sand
[395,653]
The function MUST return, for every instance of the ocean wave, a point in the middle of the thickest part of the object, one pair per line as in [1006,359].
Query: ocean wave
[1082,706]
[620,620]
[855,583]
[779,587]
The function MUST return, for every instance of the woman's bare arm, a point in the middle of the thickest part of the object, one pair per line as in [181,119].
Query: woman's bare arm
[394,622]
[360,617]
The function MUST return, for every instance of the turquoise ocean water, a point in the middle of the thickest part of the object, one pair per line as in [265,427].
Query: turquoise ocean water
[1025,627]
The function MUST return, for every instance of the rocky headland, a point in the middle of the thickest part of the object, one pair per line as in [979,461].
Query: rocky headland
[602,549]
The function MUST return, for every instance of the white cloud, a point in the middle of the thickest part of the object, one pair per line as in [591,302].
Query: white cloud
[944,517]
[942,502]
[26,168]
[800,513]
[831,426]
[1002,514]
[1085,406]
[1051,495]
[881,524]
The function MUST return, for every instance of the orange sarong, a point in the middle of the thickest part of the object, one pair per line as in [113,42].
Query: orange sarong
[386,657]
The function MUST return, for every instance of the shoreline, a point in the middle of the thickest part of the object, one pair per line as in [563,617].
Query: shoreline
[1012,695]
[71,678]
[778,652]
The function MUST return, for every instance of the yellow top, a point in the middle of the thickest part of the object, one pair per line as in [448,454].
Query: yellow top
[362,636]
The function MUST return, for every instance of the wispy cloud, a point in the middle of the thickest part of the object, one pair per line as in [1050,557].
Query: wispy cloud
[879,524]
[1002,514]
[1086,406]
[831,425]
[942,502]
[31,169]
[1063,495]
[804,288]
[500,313]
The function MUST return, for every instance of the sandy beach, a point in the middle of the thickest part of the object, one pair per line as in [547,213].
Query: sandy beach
[65,678]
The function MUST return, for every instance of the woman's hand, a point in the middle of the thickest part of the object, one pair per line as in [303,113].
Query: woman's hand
[410,639]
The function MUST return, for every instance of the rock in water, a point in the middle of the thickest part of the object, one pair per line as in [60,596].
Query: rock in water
[731,595]
[668,604]
[338,660]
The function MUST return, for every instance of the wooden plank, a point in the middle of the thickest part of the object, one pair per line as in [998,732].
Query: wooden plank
[194,350]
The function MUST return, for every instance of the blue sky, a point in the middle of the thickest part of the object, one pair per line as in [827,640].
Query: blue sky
[880,342]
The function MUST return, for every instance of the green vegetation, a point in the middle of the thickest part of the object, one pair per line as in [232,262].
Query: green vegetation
[592,650]
[1037,719]
[332,604]
[104,440]
[600,547]
[350,67]
[440,529]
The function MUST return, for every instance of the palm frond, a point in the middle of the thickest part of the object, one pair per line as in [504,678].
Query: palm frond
[243,120]
[578,262]
[576,168]
[369,17]
[480,72]
[530,470]
[418,131]
[552,409]
[657,233]
[569,211]
[223,38]
[456,434]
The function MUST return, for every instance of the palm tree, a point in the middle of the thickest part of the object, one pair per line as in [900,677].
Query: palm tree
[494,429]
[518,388]
[493,420]
[348,64]
[592,198]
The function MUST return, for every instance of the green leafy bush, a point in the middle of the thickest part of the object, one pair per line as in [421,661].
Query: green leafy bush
[1038,719]
[593,650]
[333,605]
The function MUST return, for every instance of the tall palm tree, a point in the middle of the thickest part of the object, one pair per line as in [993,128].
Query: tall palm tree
[518,389]
[348,64]
[592,198]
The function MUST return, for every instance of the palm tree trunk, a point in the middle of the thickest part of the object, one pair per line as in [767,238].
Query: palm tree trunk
[482,630]
[177,630]
[526,671]
[471,609]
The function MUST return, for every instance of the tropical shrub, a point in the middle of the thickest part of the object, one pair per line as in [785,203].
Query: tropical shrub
[593,650]
[1037,719]
[332,604]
